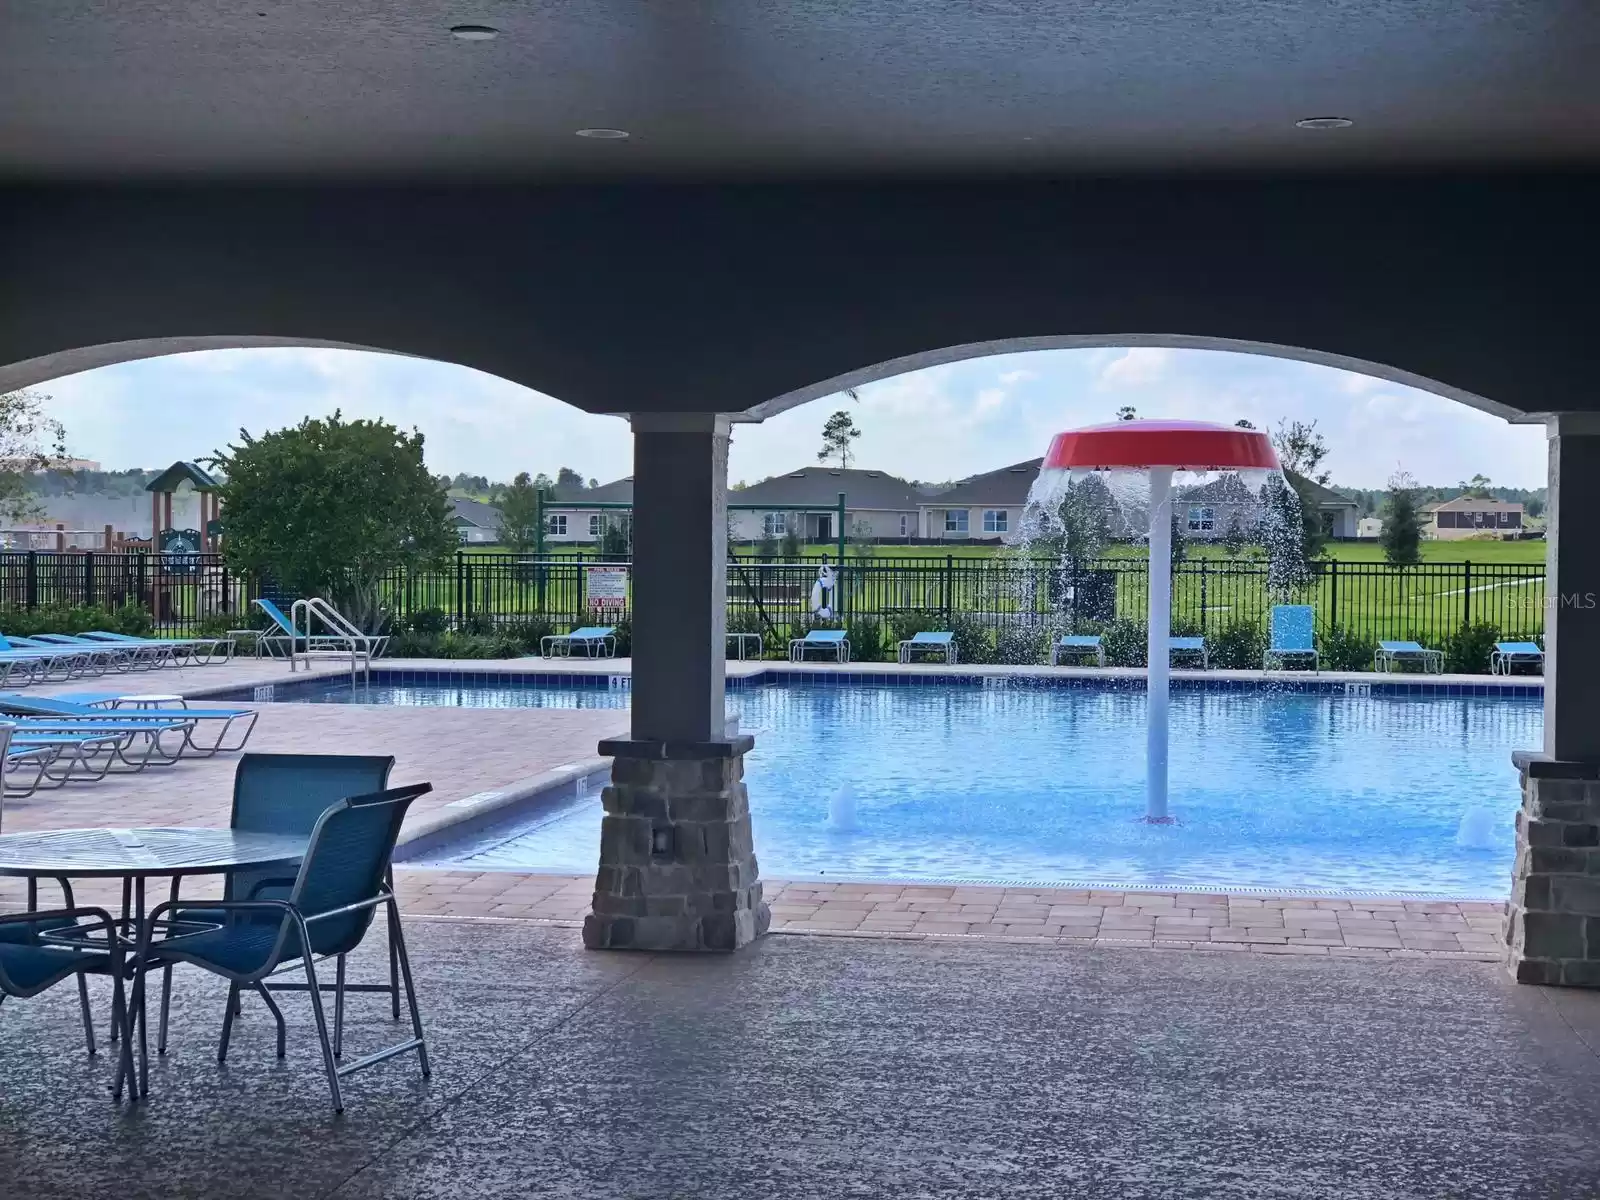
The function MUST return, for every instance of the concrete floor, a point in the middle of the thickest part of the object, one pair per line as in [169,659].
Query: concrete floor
[828,1067]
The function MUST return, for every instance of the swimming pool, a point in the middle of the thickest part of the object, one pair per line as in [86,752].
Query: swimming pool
[1271,789]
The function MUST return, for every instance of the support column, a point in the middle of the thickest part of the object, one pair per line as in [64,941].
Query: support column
[677,863]
[1553,921]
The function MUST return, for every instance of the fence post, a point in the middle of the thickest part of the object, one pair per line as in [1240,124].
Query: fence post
[949,580]
[1333,594]
[88,578]
[1205,577]
[138,580]
[1466,594]
[460,608]
[31,582]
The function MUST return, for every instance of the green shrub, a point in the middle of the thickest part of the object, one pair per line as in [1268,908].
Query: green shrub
[865,635]
[1022,644]
[1126,643]
[1467,650]
[1345,650]
[410,644]
[428,621]
[528,632]
[126,618]
[478,625]
[974,639]
[903,626]
[1237,646]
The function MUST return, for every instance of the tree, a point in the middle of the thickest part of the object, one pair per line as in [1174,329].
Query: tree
[1283,529]
[789,550]
[616,542]
[1478,486]
[29,442]
[1535,506]
[520,515]
[1235,540]
[566,477]
[1241,423]
[1301,449]
[1401,537]
[837,436]
[1127,413]
[861,540]
[330,507]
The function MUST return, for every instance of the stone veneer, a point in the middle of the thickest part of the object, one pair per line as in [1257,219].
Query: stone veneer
[1552,926]
[677,863]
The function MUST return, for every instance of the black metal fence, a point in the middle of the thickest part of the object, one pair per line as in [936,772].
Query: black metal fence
[1369,600]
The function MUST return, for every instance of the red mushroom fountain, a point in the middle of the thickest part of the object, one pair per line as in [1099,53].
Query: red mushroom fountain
[1158,448]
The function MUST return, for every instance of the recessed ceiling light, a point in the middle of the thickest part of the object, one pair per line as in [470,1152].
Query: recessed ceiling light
[1324,123]
[604,135]
[474,33]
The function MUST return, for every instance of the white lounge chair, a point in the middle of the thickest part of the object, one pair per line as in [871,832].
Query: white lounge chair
[928,642]
[827,641]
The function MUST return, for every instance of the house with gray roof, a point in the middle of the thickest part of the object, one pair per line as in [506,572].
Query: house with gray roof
[585,525]
[476,523]
[985,507]
[877,505]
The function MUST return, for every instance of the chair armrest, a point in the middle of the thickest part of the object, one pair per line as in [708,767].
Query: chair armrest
[261,884]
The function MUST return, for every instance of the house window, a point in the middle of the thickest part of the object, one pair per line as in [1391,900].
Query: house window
[774,524]
[905,525]
[594,525]
[1202,520]
[994,520]
[955,520]
[558,524]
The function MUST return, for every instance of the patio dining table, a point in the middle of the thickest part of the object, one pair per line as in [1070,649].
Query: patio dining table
[134,856]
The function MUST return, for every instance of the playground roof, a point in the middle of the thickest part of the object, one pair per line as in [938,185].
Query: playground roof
[181,472]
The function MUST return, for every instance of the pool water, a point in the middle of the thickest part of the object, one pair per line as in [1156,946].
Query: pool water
[1038,784]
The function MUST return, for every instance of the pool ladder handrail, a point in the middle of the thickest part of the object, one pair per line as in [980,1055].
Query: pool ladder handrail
[360,646]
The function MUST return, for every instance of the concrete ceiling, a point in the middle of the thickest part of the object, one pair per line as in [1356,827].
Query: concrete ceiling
[91,88]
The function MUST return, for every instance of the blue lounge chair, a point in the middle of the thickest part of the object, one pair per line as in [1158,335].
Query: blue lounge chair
[323,912]
[286,793]
[1190,646]
[1075,645]
[928,642]
[1508,654]
[33,661]
[67,709]
[117,656]
[283,637]
[171,647]
[1390,655]
[832,642]
[596,641]
[1293,637]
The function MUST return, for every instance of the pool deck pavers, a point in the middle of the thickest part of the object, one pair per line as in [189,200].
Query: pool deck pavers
[465,752]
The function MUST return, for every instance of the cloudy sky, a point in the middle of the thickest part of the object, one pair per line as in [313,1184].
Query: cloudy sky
[941,423]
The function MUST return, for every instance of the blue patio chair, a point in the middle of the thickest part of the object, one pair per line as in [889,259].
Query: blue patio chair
[928,642]
[1508,654]
[43,662]
[286,793]
[828,641]
[88,708]
[30,964]
[1390,655]
[323,912]
[1190,646]
[119,656]
[596,641]
[1292,632]
[171,646]
[1072,645]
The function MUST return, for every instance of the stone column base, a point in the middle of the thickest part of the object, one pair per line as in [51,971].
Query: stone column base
[1553,921]
[677,863]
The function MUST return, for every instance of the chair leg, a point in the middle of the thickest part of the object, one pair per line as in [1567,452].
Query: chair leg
[322,1026]
[411,989]
[394,959]
[277,1015]
[338,1008]
[166,1007]
[88,1017]
[119,1009]
[227,1021]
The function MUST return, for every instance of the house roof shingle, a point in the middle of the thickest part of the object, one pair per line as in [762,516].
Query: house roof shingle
[1005,486]
[618,491]
[475,513]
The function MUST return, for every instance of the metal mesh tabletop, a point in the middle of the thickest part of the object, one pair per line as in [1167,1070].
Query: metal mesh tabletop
[123,853]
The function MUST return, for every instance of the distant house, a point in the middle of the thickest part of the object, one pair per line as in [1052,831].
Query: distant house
[1208,513]
[585,525]
[877,505]
[1369,527]
[1471,516]
[986,507]
[475,521]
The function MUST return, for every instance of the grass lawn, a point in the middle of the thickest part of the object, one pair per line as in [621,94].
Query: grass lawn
[1352,552]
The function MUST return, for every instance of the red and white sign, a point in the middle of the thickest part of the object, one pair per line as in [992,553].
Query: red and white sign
[607,587]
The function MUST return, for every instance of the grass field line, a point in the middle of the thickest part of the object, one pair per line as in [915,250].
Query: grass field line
[1487,587]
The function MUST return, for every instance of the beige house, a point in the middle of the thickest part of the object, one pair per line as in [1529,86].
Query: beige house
[877,505]
[984,508]
[585,525]
[1471,516]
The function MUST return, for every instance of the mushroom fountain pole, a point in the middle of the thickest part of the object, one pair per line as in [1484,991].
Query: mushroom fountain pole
[1158,448]
[1158,656]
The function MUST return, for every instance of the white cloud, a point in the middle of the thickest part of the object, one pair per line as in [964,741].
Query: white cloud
[1138,366]
[990,399]
[1021,375]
